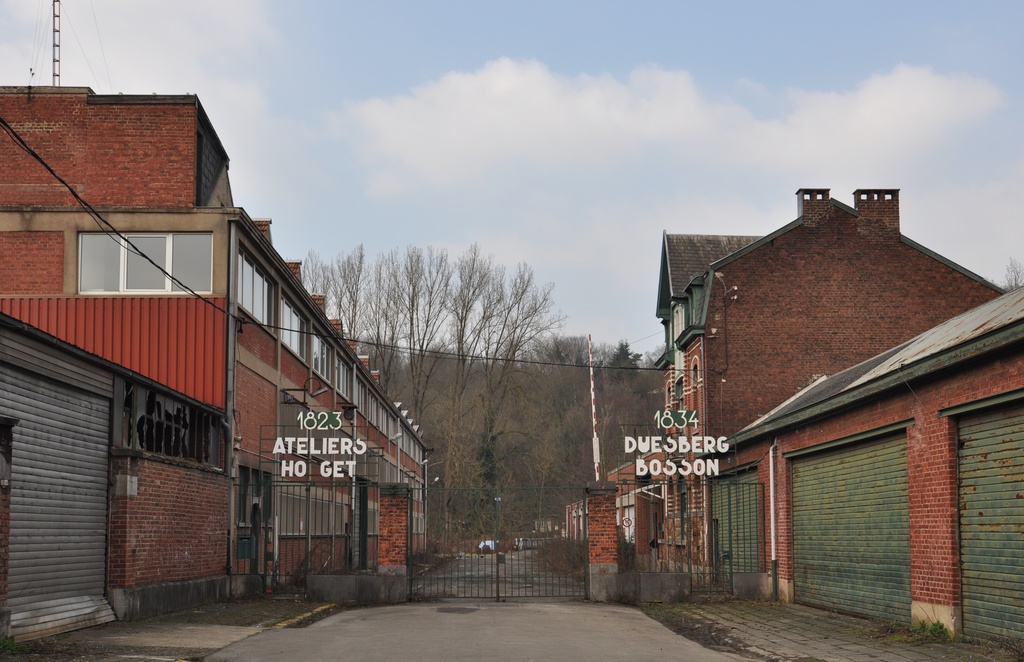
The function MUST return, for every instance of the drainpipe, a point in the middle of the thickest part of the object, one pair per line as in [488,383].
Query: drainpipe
[704,481]
[229,388]
[771,496]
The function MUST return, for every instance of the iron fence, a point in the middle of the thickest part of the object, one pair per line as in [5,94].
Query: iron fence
[709,529]
[502,543]
[289,529]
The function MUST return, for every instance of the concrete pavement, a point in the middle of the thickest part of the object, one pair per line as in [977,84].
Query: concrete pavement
[483,629]
[474,631]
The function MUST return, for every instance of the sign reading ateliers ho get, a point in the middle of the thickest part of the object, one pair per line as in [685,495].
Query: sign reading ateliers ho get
[323,420]
[669,446]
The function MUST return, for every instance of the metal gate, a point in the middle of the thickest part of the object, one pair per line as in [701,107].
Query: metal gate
[708,529]
[502,544]
[289,529]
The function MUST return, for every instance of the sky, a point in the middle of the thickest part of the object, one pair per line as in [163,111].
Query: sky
[570,135]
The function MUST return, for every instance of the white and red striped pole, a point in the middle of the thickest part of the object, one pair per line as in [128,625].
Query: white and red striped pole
[593,412]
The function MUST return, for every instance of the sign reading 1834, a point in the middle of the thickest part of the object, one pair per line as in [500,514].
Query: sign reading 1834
[671,452]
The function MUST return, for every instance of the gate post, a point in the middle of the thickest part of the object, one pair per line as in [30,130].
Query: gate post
[393,557]
[602,541]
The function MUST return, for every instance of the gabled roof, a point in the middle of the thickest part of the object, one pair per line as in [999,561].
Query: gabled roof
[960,338]
[687,256]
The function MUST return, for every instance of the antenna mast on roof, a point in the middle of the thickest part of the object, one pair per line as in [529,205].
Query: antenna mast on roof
[56,43]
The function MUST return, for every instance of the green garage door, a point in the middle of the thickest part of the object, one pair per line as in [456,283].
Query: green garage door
[992,522]
[738,508]
[851,530]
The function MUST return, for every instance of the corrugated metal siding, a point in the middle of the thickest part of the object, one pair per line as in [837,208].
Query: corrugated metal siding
[58,506]
[33,356]
[176,341]
[992,522]
[851,530]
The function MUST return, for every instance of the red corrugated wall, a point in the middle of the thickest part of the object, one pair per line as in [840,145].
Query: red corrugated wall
[177,341]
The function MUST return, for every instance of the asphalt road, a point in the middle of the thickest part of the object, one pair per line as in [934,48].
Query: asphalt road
[474,631]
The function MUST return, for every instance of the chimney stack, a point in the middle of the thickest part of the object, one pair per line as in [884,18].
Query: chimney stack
[812,205]
[880,207]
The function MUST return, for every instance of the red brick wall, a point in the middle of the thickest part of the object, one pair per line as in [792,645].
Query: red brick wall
[327,554]
[817,300]
[292,368]
[125,153]
[255,406]
[174,529]
[31,262]
[260,342]
[394,528]
[931,460]
[603,540]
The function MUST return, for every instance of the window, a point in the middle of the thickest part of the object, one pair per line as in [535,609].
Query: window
[293,328]
[108,264]
[679,318]
[160,423]
[253,290]
[321,358]
[344,377]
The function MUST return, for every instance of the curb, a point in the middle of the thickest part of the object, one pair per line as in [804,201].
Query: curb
[296,619]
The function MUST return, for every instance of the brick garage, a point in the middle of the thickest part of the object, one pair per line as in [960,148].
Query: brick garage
[929,396]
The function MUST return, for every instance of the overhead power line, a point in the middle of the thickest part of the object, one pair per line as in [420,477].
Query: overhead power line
[112,231]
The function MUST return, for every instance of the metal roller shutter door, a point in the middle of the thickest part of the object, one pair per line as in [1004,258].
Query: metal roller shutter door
[58,507]
[851,530]
[992,522]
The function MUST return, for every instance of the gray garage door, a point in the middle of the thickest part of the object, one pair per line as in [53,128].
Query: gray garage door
[58,506]
[992,522]
[851,530]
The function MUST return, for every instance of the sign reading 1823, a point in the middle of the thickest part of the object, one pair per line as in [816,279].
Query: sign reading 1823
[668,449]
[341,450]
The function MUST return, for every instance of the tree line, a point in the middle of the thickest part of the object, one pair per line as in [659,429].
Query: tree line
[474,351]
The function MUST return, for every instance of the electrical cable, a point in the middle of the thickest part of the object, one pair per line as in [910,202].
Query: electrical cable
[109,229]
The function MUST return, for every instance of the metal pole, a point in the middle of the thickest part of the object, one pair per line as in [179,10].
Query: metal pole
[593,412]
[497,575]
[56,43]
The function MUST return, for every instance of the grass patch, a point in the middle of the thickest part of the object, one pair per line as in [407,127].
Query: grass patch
[9,647]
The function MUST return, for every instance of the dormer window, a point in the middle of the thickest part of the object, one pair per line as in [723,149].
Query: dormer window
[679,318]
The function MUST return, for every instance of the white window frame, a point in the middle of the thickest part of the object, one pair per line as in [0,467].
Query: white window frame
[344,371]
[293,328]
[321,358]
[247,293]
[126,254]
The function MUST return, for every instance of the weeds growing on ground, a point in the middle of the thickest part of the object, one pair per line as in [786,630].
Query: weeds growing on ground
[7,645]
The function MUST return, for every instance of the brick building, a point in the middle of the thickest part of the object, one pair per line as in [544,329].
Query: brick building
[897,483]
[749,321]
[120,236]
[69,469]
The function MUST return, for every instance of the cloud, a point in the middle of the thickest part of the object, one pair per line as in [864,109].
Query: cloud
[512,115]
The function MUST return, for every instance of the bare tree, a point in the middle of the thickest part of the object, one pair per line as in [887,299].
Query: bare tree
[350,291]
[1014,278]
[424,285]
